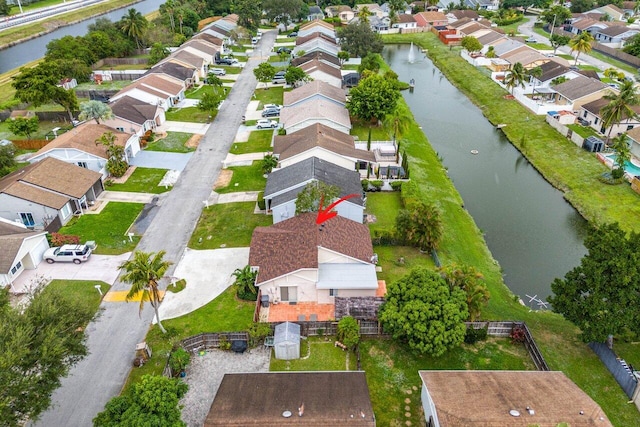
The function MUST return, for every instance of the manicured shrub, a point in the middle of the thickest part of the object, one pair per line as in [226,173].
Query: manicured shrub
[396,185]
[58,239]
[474,335]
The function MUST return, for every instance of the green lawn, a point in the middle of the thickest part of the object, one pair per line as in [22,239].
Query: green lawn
[269,96]
[361,131]
[189,114]
[583,131]
[108,85]
[198,92]
[174,142]
[393,380]
[589,67]
[108,229]
[398,261]
[142,180]
[245,178]
[317,354]
[629,351]
[230,69]
[259,142]
[81,292]
[44,128]
[385,207]
[229,224]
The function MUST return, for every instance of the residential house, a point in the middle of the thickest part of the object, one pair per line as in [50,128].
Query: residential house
[317,42]
[379,24]
[330,60]
[314,91]
[591,112]
[404,21]
[134,116]
[489,38]
[634,137]
[584,23]
[629,8]
[456,15]
[373,8]
[615,35]
[218,33]
[45,194]
[295,118]
[345,13]
[22,249]
[506,398]
[190,60]
[205,50]
[317,26]
[315,13]
[579,91]
[227,23]
[431,19]
[483,4]
[307,399]
[79,147]
[216,41]
[611,10]
[299,262]
[528,57]
[552,70]
[323,142]
[320,71]
[187,74]
[284,185]
[154,89]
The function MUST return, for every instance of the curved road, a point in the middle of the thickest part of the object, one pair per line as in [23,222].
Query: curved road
[113,336]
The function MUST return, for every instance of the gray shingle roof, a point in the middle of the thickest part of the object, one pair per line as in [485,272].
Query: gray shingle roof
[579,87]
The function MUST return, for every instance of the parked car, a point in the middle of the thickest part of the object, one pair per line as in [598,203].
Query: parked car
[265,124]
[280,73]
[272,106]
[227,61]
[217,71]
[255,40]
[293,34]
[531,39]
[283,49]
[67,253]
[278,80]
[270,112]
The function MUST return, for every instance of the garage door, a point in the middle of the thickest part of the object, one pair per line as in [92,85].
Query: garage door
[38,251]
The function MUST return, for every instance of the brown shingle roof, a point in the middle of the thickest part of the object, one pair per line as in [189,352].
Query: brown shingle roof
[313,36]
[186,57]
[133,110]
[155,82]
[259,399]
[49,182]
[293,244]
[202,46]
[317,65]
[459,14]
[321,110]
[312,88]
[597,105]
[484,398]
[209,38]
[322,56]
[405,18]
[84,138]
[433,16]
[615,30]
[11,238]
[579,87]
[551,70]
[318,135]
[317,22]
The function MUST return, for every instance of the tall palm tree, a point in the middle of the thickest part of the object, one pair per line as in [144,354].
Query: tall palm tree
[620,106]
[623,153]
[364,14]
[516,77]
[133,25]
[581,44]
[143,272]
[533,74]
[469,280]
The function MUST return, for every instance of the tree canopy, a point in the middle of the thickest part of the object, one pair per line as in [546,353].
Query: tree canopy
[309,199]
[420,225]
[424,311]
[359,39]
[557,41]
[23,126]
[95,110]
[581,44]
[373,98]
[7,158]
[264,72]
[556,15]
[598,294]
[295,75]
[471,44]
[249,12]
[283,11]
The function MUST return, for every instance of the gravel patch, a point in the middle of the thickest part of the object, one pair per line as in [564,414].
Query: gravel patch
[204,376]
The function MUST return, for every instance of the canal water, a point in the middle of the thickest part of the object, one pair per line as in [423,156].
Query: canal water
[20,54]
[535,235]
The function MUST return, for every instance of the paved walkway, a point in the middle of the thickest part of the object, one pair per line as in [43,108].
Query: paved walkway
[161,160]
[113,336]
[241,159]
[241,196]
[125,196]
[188,127]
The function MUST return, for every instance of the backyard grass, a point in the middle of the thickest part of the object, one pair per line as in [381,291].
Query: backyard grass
[189,114]
[245,178]
[44,128]
[142,180]
[223,314]
[174,142]
[230,69]
[629,351]
[392,372]
[81,292]
[398,261]
[385,206]
[583,131]
[108,85]
[269,96]
[316,354]
[259,142]
[229,224]
[197,92]
[360,130]
[108,228]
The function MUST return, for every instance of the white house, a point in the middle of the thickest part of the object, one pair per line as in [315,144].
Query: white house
[317,26]
[320,71]
[405,21]
[295,118]
[22,249]
[134,116]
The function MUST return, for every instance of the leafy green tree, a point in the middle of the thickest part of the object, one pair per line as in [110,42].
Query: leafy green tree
[420,225]
[364,14]
[469,280]
[152,401]
[623,154]
[343,56]
[515,77]
[134,25]
[557,14]
[373,98]
[613,73]
[264,72]
[348,332]
[559,80]
[558,40]
[249,12]
[471,44]
[581,44]
[309,199]
[5,8]
[620,106]
[23,126]
[491,52]
[422,309]
[214,81]
[7,158]
[95,110]
[143,272]
[282,11]
[210,102]
[371,63]
[116,164]
[632,46]
[295,75]
[597,295]
[395,6]
[68,48]
[38,346]
[269,162]
[359,39]
[580,6]
[157,53]
[245,283]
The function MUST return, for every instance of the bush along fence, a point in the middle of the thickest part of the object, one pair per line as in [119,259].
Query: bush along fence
[518,331]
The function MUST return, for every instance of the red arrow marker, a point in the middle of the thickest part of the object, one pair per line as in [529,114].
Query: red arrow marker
[326,214]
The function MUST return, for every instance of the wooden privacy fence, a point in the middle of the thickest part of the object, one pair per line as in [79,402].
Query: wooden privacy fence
[367,327]
[503,329]
[208,341]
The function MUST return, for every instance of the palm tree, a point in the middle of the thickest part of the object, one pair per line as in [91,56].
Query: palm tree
[623,153]
[469,280]
[269,162]
[133,25]
[245,282]
[533,74]
[143,272]
[516,77]
[581,44]
[620,106]
[364,14]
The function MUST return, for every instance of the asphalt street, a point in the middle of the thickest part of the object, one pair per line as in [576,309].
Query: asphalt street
[113,336]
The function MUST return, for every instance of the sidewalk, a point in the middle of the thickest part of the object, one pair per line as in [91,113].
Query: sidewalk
[188,127]
[241,159]
[241,196]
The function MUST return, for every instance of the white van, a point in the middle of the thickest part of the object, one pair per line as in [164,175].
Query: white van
[255,40]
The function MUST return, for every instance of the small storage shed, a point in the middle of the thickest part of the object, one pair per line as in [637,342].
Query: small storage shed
[286,341]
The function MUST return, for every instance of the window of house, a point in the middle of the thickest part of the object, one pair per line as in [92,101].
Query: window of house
[595,122]
[16,267]
[585,115]
[27,219]
[629,127]
[120,129]
[289,293]
[82,164]
[333,292]
[66,211]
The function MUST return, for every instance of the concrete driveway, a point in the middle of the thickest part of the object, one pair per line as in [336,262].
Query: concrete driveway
[208,274]
[161,160]
[99,267]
